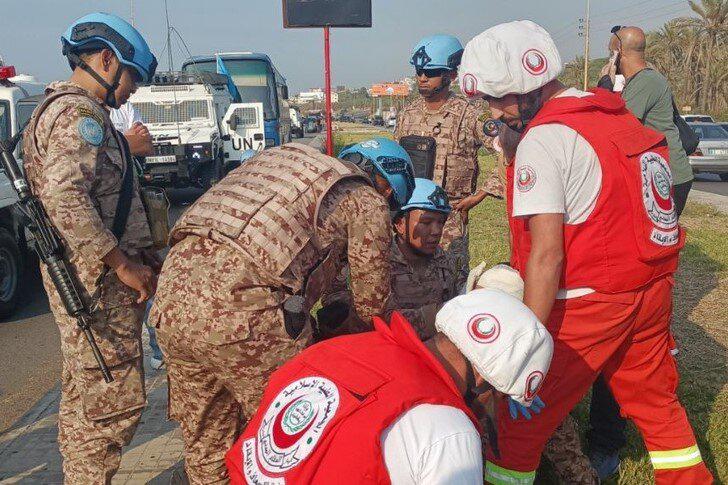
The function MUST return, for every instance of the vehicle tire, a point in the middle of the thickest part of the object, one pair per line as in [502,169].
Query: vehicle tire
[11,265]
[723,177]
[212,173]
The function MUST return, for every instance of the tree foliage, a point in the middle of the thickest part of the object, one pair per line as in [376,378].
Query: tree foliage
[692,52]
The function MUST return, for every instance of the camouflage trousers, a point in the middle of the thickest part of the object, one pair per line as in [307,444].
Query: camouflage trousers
[96,419]
[564,452]
[454,242]
[215,383]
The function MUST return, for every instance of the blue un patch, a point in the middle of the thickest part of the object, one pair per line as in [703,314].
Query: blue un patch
[91,131]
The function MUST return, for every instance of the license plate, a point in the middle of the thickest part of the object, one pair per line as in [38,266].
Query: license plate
[719,151]
[161,159]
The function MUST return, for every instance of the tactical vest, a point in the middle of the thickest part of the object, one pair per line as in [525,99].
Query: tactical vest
[268,210]
[455,170]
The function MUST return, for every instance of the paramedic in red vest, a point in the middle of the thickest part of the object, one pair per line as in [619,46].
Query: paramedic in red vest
[596,240]
[383,406]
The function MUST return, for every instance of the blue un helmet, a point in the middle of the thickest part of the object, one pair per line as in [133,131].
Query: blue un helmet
[427,196]
[390,161]
[102,30]
[439,51]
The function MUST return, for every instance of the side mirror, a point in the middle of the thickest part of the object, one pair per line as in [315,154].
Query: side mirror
[233,122]
[284,92]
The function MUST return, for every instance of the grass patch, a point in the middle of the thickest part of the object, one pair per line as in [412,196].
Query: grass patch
[700,325]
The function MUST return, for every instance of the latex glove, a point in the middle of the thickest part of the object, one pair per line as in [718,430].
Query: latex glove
[514,408]
[474,276]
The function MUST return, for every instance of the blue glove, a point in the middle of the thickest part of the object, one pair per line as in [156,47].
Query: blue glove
[514,407]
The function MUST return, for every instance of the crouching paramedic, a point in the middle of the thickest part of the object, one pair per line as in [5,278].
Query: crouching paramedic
[595,237]
[383,406]
[248,260]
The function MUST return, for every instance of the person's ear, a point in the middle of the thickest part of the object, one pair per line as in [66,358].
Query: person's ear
[107,59]
[400,225]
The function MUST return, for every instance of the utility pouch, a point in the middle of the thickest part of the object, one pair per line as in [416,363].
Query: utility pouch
[294,316]
[157,206]
[422,151]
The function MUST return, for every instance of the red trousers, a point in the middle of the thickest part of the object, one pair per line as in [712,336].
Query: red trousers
[626,338]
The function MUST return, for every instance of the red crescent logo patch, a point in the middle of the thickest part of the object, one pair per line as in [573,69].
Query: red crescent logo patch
[533,384]
[535,62]
[470,85]
[484,328]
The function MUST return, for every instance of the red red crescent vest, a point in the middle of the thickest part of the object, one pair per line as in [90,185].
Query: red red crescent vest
[323,412]
[632,237]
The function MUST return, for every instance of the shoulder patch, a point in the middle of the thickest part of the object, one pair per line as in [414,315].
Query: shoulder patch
[86,112]
[91,131]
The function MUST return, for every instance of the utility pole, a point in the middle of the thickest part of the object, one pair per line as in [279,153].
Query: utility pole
[131,12]
[586,48]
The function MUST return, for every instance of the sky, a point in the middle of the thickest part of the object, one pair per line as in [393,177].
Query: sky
[30,32]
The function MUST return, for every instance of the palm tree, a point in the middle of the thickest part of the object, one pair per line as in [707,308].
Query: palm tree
[711,26]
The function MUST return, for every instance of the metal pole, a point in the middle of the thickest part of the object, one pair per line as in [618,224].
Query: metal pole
[327,76]
[586,48]
[131,12]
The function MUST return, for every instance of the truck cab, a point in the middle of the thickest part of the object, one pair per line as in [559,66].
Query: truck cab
[196,128]
[19,96]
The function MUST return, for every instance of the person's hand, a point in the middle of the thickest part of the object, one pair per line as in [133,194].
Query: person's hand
[467,203]
[514,408]
[610,68]
[138,277]
[140,140]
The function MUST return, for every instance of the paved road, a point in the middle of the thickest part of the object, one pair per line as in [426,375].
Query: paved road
[30,360]
[708,182]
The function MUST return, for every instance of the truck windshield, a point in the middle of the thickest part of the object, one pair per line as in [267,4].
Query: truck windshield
[253,78]
[4,120]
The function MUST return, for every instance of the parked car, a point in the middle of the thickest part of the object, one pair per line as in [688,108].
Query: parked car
[724,125]
[712,153]
[377,120]
[696,118]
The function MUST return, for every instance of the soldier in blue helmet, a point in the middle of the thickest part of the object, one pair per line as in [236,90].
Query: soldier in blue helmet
[443,132]
[388,165]
[423,278]
[80,168]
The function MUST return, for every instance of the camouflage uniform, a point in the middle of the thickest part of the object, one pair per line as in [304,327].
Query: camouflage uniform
[276,226]
[74,165]
[457,129]
[420,288]
[564,452]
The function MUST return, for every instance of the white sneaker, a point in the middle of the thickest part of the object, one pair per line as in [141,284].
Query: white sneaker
[156,363]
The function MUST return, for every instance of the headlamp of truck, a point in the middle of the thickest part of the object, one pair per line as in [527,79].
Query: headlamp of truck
[200,151]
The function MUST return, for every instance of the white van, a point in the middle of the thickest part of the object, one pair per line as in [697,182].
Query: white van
[19,96]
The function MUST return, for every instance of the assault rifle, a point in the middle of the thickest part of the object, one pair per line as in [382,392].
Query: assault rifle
[49,248]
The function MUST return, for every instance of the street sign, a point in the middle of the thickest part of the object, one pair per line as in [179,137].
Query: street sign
[327,13]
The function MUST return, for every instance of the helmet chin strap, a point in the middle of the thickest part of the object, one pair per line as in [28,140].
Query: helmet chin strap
[407,238]
[445,84]
[527,111]
[110,99]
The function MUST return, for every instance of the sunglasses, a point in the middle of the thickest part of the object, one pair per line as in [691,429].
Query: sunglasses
[429,73]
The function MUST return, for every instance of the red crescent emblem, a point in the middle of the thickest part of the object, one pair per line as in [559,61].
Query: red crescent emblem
[282,439]
[480,336]
[534,62]
[664,204]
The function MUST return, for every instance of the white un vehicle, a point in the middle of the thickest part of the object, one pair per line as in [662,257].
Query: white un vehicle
[19,96]
[197,130]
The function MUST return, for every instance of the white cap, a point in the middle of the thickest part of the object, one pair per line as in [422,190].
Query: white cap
[511,58]
[502,338]
[499,277]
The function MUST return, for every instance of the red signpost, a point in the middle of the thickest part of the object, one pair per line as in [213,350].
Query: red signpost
[327,81]
[327,14]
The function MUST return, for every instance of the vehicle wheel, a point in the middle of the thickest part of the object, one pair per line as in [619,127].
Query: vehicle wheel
[723,177]
[10,268]
[212,173]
